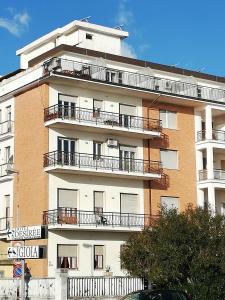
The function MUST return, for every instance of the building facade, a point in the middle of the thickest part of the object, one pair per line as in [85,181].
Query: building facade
[92,144]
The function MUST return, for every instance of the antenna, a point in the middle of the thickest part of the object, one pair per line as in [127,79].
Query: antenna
[86,19]
[119,27]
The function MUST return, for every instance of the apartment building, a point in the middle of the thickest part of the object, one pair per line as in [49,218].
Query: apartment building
[93,143]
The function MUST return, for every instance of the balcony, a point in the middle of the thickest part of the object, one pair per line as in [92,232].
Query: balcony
[217,175]
[3,174]
[71,218]
[81,163]
[102,74]
[5,224]
[6,130]
[64,116]
[217,135]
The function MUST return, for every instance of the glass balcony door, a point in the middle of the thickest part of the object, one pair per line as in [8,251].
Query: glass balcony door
[67,106]
[127,158]
[66,151]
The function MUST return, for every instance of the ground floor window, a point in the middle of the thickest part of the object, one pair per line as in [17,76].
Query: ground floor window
[98,257]
[67,257]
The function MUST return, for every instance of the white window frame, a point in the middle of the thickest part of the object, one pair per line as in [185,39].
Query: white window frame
[166,166]
[170,197]
[167,114]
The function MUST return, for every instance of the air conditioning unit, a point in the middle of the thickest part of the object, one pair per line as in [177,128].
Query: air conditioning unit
[112,143]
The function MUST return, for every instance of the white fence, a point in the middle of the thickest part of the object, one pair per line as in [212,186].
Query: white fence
[82,287]
[63,287]
[36,288]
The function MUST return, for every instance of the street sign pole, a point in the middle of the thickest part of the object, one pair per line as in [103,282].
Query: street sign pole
[23,280]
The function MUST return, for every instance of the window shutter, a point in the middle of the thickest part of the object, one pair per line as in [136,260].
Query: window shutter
[98,104]
[127,110]
[172,120]
[128,148]
[170,202]
[67,250]
[162,116]
[67,98]
[169,159]
[99,250]
[129,203]
[67,198]
[98,197]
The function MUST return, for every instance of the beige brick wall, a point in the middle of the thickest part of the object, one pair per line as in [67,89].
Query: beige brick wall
[182,182]
[31,183]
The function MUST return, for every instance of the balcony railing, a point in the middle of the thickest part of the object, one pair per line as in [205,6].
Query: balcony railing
[3,168]
[6,127]
[130,79]
[67,215]
[217,174]
[217,135]
[101,118]
[5,223]
[111,163]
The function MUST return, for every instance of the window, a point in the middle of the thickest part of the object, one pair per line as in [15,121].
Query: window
[7,154]
[97,108]
[7,210]
[98,202]
[98,257]
[97,150]
[129,203]
[67,198]
[67,206]
[169,159]
[127,158]
[114,76]
[66,151]
[67,106]
[89,36]
[67,256]
[169,202]
[168,118]
[8,113]
[127,113]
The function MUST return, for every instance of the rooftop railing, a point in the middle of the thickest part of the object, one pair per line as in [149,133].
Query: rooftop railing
[130,79]
[111,163]
[72,216]
[6,127]
[217,135]
[111,119]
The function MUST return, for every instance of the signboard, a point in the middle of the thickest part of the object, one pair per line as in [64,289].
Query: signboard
[24,252]
[26,233]
[17,269]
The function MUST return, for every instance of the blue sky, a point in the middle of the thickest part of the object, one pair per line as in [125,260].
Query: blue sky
[189,33]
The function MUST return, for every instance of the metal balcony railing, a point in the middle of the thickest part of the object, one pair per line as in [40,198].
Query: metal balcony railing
[67,215]
[3,168]
[6,127]
[84,160]
[217,174]
[5,223]
[111,119]
[217,135]
[98,73]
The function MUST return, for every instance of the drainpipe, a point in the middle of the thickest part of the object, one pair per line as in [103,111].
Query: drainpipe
[149,183]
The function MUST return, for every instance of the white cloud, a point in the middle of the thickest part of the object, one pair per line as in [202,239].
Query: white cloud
[17,24]
[127,50]
[124,16]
